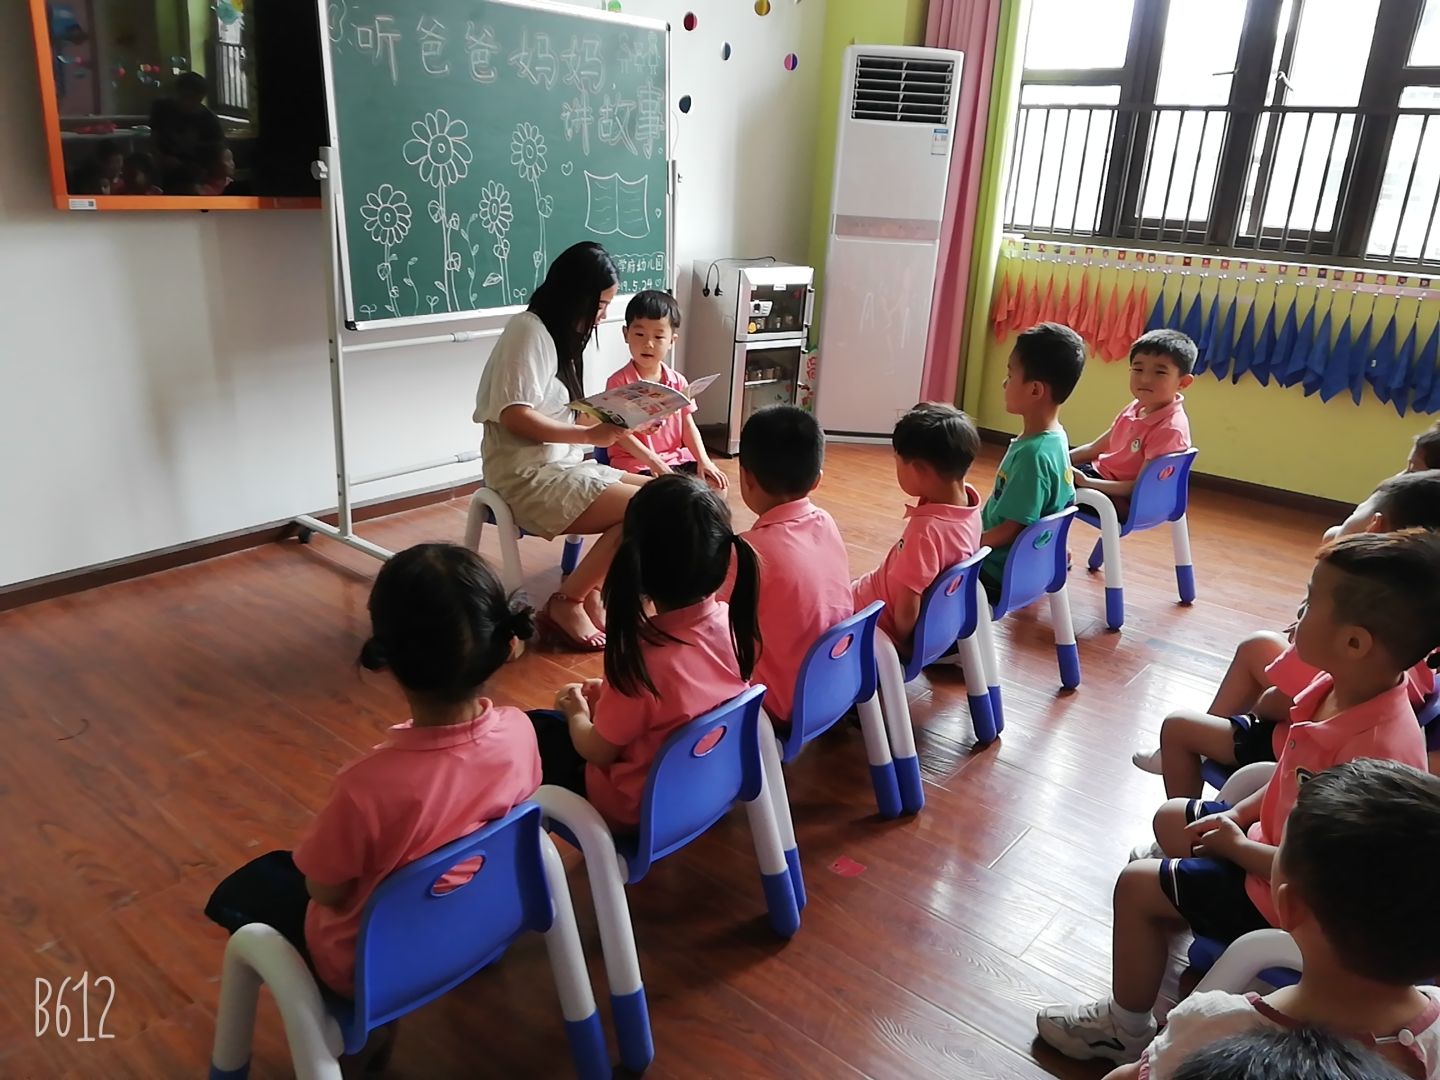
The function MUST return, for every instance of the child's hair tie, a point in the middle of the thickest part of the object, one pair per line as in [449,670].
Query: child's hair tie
[1433,661]
[521,621]
[372,656]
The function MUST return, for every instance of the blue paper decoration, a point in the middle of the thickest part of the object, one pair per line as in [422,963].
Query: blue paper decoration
[1245,347]
[1360,357]
[1318,357]
[1217,356]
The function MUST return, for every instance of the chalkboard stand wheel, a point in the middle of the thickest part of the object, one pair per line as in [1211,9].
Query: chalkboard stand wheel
[303,534]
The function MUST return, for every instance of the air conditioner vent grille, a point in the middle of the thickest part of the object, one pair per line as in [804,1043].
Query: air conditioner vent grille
[902,90]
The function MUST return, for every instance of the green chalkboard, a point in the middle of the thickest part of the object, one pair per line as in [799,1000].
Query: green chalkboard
[474,140]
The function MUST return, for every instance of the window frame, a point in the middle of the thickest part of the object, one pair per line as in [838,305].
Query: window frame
[1226,224]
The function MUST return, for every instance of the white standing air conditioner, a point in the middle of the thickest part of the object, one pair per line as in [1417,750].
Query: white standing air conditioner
[892,164]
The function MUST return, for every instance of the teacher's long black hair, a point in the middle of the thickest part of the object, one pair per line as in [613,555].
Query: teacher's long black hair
[568,303]
[675,549]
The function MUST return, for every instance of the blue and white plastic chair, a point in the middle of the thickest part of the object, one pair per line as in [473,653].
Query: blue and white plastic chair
[1036,567]
[486,506]
[950,615]
[702,770]
[1162,494]
[418,940]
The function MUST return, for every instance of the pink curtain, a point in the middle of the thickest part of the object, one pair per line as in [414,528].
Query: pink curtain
[972,27]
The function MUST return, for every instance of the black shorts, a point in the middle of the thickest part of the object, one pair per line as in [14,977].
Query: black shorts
[560,763]
[1089,470]
[1210,893]
[1254,739]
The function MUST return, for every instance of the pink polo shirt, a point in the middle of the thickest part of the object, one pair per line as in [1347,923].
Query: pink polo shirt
[804,590]
[418,790]
[668,439]
[936,537]
[1136,438]
[1290,675]
[1383,727]
[691,677]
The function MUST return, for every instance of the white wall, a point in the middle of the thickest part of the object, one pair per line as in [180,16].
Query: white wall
[163,377]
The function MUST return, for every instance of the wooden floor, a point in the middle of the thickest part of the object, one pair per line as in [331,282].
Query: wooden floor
[159,732]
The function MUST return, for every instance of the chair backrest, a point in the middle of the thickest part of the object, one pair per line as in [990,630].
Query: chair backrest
[1162,493]
[837,672]
[419,937]
[601,455]
[1036,563]
[1428,711]
[697,777]
[948,612]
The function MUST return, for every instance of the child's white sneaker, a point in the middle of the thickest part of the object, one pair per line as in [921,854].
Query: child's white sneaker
[1147,760]
[1152,850]
[1090,1031]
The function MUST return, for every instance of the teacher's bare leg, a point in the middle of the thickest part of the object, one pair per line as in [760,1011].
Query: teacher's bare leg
[583,616]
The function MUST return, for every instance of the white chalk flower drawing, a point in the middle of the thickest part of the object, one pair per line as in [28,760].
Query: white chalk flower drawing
[386,213]
[443,157]
[527,154]
[496,216]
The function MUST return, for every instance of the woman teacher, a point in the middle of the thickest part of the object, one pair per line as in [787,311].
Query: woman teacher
[533,447]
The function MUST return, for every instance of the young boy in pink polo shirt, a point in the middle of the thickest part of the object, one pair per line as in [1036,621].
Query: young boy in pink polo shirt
[935,445]
[1152,425]
[1241,731]
[803,561]
[652,327]
[1366,938]
[1373,611]
[442,624]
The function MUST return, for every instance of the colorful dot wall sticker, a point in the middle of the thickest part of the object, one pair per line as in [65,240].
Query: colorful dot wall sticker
[614,5]
[791,62]
[690,21]
[685,104]
[762,7]
[725,51]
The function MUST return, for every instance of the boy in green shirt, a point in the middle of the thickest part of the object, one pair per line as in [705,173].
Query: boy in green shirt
[1034,478]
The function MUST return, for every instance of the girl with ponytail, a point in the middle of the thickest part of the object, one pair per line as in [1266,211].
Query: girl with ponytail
[441,624]
[663,669]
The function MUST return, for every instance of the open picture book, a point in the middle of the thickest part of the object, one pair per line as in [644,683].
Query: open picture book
[638,404]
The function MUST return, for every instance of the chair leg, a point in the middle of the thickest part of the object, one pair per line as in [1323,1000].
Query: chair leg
[570,557]
[976,689]
[612,914]
[1066,651]
[784,822]
[511,575]
[774,871]
[877,752]
[985,631]
[256,954]
[896,709]
[1107,551]
[572,978]
[1184,567]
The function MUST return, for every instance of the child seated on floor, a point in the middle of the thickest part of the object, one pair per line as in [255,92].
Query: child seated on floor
[662,670]
[441,624]
[652,326]
[934,445]
[1267,672]
[802,558]
[1354,884]
[1424,454]
[1152,425]
[1373,610]
[1035,478]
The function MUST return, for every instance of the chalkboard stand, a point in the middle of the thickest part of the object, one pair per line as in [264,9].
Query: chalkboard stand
[344,528]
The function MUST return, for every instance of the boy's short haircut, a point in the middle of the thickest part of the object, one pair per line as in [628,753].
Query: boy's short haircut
[782,447]
[1268,1054]
[941,436]
[1359,848]
[653,304]
[1390,585]
[1174,345]
[1410,500]
[1053,354]
[1427,445]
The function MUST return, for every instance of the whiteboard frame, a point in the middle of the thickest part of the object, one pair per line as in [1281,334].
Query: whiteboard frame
[337,185]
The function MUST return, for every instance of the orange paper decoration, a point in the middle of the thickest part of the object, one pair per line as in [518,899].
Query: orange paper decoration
[1001,310]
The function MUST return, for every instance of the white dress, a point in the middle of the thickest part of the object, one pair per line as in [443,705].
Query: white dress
[547,485]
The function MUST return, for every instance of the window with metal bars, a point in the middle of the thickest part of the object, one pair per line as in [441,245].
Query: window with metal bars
[1304,127]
